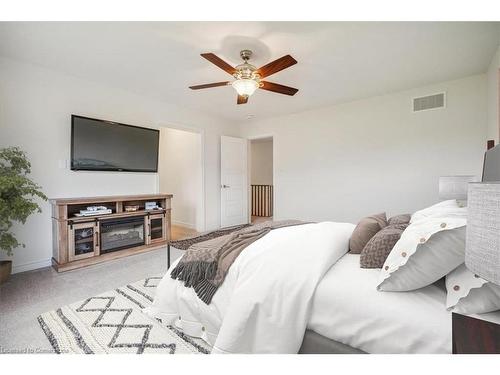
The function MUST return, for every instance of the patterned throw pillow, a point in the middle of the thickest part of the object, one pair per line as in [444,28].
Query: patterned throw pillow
[399,219]
[379,247]
[365,230]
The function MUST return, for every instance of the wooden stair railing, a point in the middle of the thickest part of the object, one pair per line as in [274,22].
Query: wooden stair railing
[262,200]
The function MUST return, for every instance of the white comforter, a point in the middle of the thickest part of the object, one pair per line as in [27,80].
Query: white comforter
[348,308]
[264,304]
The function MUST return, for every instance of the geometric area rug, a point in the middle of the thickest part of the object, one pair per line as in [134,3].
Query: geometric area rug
[113,322]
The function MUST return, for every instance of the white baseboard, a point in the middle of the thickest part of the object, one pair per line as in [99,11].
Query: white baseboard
[16,268]
[183,224]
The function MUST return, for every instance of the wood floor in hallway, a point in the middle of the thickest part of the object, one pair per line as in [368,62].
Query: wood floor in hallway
[179,232]
[261,219]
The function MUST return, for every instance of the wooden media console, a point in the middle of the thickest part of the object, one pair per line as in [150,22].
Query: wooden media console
[80,241]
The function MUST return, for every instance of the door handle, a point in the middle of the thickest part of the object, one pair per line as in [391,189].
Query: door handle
[225,186]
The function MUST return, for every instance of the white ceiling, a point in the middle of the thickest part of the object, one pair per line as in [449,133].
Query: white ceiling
[337,61]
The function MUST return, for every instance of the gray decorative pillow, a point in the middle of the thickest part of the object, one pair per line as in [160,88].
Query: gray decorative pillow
[365,230]
[399,219]
[379,247]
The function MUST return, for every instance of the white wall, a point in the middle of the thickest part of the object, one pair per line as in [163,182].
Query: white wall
[180,172]
[261,162]
[338,163]
[493,76]
[35,109]
[347,161]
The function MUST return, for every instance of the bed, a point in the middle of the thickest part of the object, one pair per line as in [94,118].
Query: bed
[345,313]
[298,290]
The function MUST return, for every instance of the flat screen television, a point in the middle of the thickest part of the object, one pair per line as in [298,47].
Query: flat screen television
[99,145]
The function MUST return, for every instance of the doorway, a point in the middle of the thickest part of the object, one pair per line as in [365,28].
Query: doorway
[261,179]
[180,171]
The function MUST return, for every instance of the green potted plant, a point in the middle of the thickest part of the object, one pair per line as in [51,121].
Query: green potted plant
[17,194]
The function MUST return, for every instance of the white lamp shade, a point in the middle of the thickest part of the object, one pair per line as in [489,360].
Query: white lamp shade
[454,187]
[482,248]
[245,87]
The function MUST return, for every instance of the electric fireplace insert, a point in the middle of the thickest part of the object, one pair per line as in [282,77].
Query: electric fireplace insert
[122,233]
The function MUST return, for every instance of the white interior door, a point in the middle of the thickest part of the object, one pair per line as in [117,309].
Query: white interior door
[234,181]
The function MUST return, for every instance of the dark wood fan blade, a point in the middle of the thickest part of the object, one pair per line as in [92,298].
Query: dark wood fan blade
[208,85]
[276,66]
[219,62]
[242,99]
[280,89]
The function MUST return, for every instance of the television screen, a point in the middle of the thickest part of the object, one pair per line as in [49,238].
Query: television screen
[98,145]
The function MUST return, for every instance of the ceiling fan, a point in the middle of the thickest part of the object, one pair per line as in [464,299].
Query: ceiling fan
[248,78]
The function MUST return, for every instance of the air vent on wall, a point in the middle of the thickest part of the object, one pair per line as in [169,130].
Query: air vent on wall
[425,103]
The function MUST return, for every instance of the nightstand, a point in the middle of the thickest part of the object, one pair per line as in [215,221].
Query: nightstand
[475,336]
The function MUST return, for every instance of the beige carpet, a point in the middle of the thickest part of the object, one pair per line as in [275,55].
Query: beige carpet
[26,295]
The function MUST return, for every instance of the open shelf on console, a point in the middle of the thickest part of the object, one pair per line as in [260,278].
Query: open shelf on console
[75,208]
[77,219]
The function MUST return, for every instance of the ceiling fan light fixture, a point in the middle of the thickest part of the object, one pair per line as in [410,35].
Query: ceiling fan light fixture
[245,87]
[247,78]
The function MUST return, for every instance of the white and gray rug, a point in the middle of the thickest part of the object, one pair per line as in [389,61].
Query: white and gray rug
[113,322]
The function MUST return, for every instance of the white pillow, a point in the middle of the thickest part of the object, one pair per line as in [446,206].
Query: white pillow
[432,246]
[468,293]
[445,208]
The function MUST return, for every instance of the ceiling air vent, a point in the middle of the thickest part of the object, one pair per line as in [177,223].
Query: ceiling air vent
[424,103]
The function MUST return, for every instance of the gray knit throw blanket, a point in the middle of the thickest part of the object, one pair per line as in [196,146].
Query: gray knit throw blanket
[187,242]
[204,265]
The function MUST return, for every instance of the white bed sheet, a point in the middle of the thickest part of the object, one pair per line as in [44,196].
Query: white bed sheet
[348,308]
